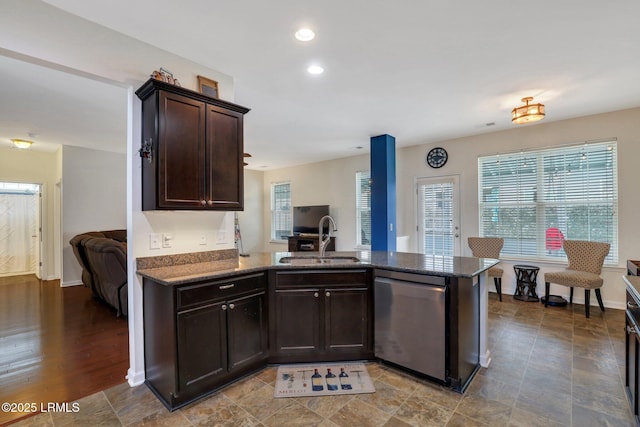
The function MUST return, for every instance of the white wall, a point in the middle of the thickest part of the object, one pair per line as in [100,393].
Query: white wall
[333,182]
[94,191]
[39,168]
[250,219]
[330,183]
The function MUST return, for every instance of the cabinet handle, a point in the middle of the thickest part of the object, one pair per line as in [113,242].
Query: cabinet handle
[315,294]
[224,307]
[328,294]
[631,305]
[232,306]
[226,286]
[210,202]
[203,202]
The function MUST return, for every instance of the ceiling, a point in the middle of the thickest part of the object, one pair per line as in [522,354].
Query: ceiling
[422,71]
[52,108]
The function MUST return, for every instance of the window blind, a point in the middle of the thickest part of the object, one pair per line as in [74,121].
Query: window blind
[435,204]
[363,208]
[281,216]
[537,199]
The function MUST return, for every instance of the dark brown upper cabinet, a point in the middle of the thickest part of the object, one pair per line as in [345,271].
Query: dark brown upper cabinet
[194,147]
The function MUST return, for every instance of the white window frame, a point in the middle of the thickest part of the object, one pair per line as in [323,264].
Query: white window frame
[360,209]
[550,185]
[282,216]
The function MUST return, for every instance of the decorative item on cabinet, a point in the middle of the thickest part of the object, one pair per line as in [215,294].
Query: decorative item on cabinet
[208,87]
[165,76]
[196,144]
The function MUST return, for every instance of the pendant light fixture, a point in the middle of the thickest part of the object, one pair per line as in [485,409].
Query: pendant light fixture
[22,143]
[527,113]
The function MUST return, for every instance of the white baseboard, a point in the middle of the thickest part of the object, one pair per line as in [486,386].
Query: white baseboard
[485,359]
[576,298]
[72,283]
[135,378]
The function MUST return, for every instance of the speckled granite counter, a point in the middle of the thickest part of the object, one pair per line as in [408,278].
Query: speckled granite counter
[191,267]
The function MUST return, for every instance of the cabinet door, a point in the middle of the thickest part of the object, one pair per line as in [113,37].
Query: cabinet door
[202,347]
[297,321]
[181,160]
[224,159]
[347,320]
[247,330]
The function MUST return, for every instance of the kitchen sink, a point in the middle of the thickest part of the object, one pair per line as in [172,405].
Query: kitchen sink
[313,260]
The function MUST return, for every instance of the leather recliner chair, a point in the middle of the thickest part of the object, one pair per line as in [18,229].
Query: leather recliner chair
[77,245]
[107,260]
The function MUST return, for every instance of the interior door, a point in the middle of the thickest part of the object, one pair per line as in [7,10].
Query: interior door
[438,216]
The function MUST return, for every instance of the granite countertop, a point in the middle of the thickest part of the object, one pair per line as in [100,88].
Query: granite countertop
[633,284]
[192,268]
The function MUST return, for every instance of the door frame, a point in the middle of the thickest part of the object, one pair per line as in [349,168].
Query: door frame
[455,179]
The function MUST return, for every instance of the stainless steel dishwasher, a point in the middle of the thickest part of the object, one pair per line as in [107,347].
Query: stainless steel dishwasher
[410,322]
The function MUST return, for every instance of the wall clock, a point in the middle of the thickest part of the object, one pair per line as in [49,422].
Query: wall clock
[437,157]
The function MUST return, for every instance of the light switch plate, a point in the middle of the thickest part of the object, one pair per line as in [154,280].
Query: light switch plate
[167,240]
[155,240]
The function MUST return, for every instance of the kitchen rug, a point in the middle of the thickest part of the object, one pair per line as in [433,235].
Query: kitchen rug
[322,379]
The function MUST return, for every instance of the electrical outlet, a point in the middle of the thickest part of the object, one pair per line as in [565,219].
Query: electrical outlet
[167,240]
[222,236]
[155,241]
[203,239]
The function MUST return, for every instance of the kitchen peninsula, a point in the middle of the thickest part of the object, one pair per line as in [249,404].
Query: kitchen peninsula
[211,317]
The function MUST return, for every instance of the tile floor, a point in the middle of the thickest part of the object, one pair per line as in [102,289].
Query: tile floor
[551,367]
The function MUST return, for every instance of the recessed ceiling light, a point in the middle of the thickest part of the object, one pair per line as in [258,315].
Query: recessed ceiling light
[305,34]
[315,69]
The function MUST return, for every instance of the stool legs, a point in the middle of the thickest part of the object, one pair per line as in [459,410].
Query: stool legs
[587,298]
[498,283]
[599,297]
[587,301]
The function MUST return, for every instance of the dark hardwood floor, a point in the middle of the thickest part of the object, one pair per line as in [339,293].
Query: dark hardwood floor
[56,344]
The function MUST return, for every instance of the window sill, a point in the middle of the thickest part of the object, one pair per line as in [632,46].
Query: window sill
[283,242]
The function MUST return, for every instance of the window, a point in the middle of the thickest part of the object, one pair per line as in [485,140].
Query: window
[281,225]
[536,199]
[363,208]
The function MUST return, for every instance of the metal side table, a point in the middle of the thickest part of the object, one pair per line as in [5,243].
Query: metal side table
[526,282]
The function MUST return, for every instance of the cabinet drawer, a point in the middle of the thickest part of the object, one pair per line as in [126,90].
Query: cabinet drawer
[204,293]
[299,278]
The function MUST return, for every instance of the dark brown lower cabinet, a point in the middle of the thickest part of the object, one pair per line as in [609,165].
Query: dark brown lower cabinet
[202,336]
[321,315]
[632,354]
[202,346]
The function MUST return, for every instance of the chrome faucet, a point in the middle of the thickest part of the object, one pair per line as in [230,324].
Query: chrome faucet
[324,241]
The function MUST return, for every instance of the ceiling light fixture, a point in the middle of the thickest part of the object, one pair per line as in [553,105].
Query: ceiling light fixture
[527,113]
[22,143]
[305,34]
[315,69]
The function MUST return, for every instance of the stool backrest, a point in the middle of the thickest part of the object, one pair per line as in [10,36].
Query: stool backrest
[486,247]
[586,256]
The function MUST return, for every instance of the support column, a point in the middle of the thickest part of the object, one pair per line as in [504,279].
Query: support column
[383,193]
